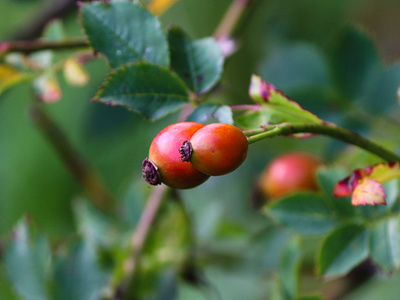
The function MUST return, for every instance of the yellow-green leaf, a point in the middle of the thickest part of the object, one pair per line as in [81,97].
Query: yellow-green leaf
[10,77]
[273,107]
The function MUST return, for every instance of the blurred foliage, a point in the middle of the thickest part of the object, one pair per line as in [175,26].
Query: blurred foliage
[210,242]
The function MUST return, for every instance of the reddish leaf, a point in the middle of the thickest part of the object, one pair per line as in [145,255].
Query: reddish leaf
[369,192]
[365,185]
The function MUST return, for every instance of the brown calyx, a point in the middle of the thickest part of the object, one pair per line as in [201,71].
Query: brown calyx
[150,172]
[186,151]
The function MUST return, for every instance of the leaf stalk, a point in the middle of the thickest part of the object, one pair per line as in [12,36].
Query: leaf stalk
[328,129]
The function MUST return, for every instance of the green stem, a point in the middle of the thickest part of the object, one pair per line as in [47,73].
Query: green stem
[327,129]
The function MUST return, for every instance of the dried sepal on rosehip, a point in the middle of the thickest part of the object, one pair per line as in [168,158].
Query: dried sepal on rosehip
[216,149]
[164,164]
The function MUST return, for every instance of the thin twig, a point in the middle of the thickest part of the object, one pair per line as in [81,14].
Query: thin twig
[230,19]
[39,44]
[141,234]
[71,158]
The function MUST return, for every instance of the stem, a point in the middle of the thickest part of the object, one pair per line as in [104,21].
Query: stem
[141,234]
[47,12]
[328,129]
[38,45]
[230,19]
[72,159]
[253,107]
[264,128]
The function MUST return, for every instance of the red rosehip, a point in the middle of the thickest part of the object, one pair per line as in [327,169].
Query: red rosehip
[216,149]
[290,173]
[164,164]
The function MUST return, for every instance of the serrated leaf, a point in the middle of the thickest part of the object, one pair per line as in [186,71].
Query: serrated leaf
[305,213]
[343,249]
[27,263]
[369,192]
[272,107]
[79,276]
[198,62]
[384,172]
[157,7]
[385,243]
[289,268]
[149,89]
[124,32]
[211,113]
[365,185]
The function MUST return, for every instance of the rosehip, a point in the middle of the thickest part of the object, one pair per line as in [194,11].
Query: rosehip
[289,173]
[216,149]
[164,164]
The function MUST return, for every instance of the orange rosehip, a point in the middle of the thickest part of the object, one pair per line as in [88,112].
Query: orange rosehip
[164,164]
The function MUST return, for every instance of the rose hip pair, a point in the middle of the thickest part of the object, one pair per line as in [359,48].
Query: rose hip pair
[184,155]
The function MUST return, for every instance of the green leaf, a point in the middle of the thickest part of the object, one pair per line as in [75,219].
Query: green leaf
[95,226]
[305,213]
[211,113]
[79,276]
[385,243]
[124,32]
[272,107]
[342,250]
[54,31]
[383,86]
[289,72]
[149,89]
[199,62]
[393,194]
[27,263]
[353,58]
[327,179]
[289,268]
